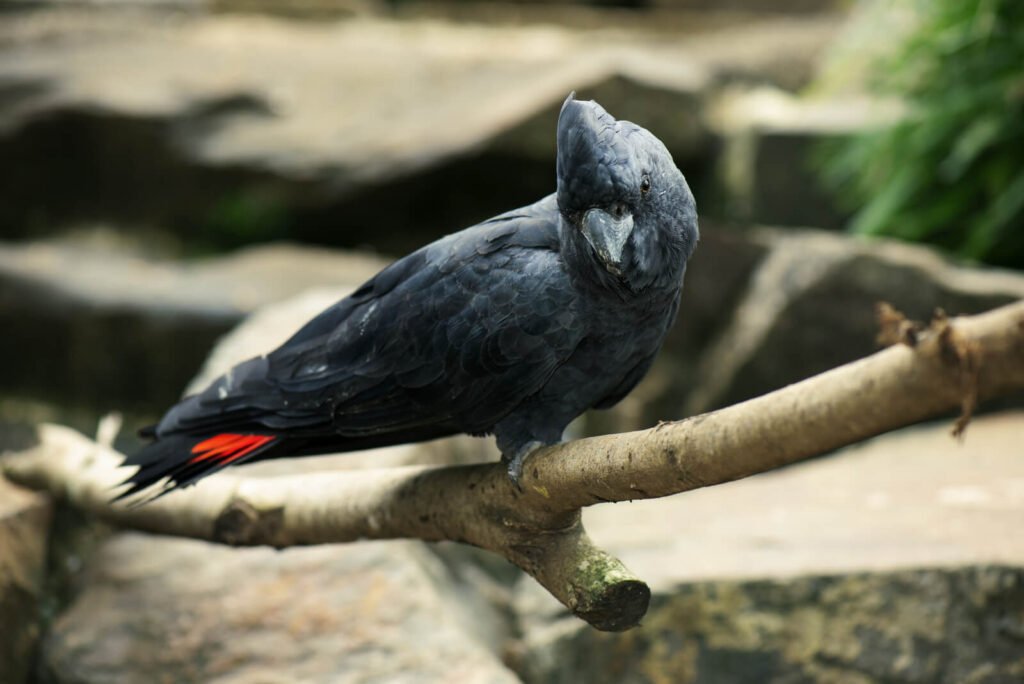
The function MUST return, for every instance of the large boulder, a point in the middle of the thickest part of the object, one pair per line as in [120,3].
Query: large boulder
[222,142]
[186,611]
[896,560]
[140,608]
[24,530]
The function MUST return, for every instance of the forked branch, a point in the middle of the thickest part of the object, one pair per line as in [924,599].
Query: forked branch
[950,364]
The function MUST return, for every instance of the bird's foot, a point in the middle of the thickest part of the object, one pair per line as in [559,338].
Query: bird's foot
[518,459]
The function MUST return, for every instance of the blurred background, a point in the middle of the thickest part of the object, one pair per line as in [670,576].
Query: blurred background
[184,182]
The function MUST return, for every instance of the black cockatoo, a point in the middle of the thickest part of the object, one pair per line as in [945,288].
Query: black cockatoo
[513,327]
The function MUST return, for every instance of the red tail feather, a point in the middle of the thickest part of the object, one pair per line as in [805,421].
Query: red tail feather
[227,447]
[183,461]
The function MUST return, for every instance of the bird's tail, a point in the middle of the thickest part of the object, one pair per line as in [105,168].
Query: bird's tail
[181,460]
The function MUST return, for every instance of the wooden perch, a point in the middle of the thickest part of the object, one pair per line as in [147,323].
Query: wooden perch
[949,364]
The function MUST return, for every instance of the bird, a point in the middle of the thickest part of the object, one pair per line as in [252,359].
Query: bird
[513,327]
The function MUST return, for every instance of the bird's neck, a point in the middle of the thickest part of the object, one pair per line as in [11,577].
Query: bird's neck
[652,282]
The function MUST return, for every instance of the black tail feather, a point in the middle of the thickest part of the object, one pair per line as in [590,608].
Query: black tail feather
[178,461]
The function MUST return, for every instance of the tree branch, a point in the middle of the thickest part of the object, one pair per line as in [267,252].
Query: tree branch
[949,364]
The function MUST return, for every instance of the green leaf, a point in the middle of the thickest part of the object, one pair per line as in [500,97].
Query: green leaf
[950,172]
[1004,214]
[978,137]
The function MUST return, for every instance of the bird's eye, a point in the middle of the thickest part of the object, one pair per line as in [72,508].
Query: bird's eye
[645,184]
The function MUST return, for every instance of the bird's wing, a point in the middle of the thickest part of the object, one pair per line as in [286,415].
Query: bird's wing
[453,336]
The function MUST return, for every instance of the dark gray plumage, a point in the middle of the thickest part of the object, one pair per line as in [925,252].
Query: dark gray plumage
[513,327]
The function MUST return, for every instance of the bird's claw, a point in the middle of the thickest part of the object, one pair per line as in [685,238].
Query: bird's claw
[515,471]
[515,464]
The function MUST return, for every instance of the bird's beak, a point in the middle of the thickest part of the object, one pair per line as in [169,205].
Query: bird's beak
[607,234]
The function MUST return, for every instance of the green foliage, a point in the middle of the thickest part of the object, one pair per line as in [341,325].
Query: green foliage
[951,170]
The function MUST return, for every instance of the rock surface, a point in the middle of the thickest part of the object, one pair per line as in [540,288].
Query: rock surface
[112,330]
[199,123]
[767,171]
[24,524]
[186,611]
[810,306]
[941,626]
[896,560]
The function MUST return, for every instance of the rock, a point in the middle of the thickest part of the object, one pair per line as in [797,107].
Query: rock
[24,529]
[777,51]
[810,307]
[186,611]
[899,559]
[941,625]
[221,138]
[96,320]
[767,172]
[220,142]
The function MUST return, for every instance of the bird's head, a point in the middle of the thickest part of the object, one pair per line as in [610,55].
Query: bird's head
[627,207]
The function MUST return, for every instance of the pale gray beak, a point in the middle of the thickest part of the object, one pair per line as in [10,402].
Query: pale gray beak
[607,234]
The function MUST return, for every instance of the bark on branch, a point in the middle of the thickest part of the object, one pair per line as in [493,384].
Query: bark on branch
[952,363]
